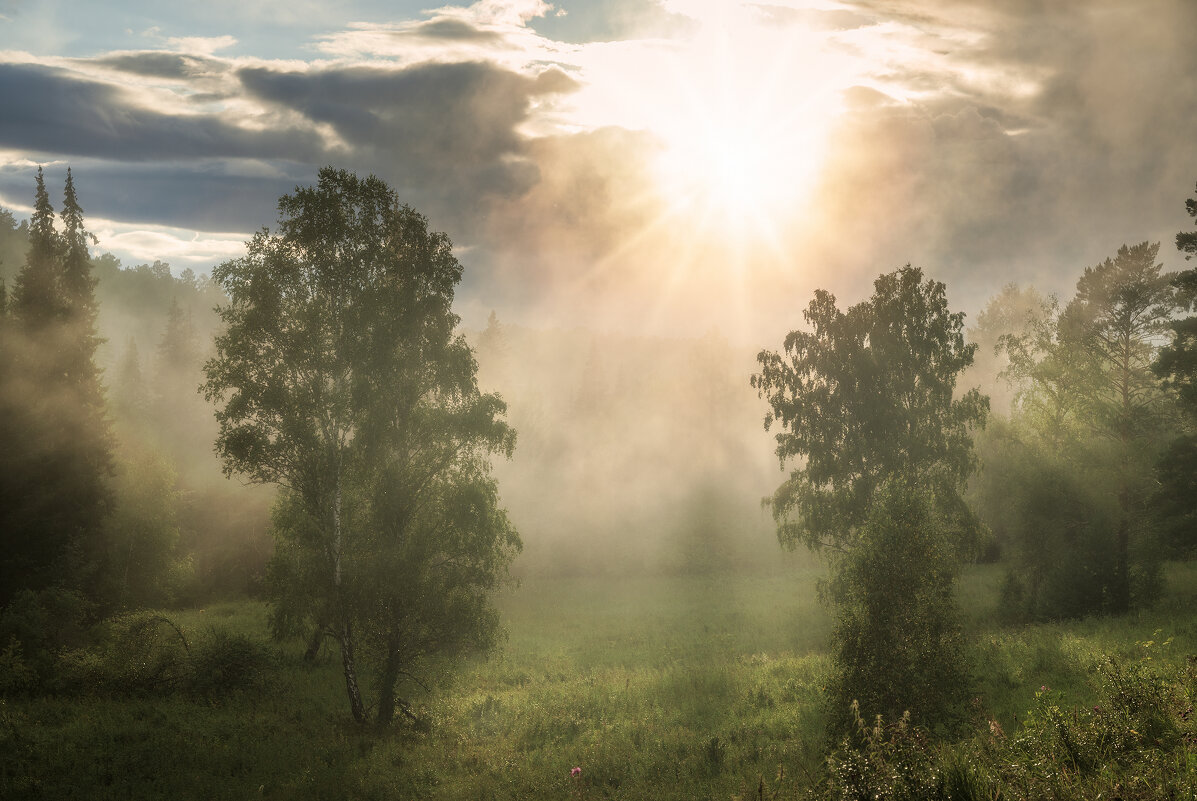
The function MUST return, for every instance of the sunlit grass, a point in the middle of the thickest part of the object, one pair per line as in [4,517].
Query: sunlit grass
[683,687]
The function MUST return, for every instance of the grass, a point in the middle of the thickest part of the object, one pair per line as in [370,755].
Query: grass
[696,687]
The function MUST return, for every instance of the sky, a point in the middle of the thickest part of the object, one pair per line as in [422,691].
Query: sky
[665,168]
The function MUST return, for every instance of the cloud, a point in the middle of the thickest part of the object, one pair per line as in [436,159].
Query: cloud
[179,248]
[447,135]
[160,64]
[450,28]
[206,195]
[48,110]
[994,143]
[203,45]
[984,142]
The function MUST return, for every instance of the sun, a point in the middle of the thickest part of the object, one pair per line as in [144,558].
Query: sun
[744,119]
[737,172]
[734,115]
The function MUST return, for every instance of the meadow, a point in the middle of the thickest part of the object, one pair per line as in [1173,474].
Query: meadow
[655,687]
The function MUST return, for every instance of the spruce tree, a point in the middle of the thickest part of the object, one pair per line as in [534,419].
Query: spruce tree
[54,491]
[37,296]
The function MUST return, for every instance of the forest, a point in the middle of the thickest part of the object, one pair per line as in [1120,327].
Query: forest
[289,529]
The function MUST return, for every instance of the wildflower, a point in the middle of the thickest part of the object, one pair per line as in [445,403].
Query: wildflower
[575,772]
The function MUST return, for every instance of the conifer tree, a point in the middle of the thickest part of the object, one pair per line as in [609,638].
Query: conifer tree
[37,296]
[54,491]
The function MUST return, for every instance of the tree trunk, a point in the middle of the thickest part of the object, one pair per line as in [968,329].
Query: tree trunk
[345,628]
[314,644]
[386,692]
[1120,597]
[349,664]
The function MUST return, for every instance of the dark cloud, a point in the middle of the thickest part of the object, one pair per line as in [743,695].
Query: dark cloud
[50,111]
[161,64]
[208,196]
[446,135]
[448,28]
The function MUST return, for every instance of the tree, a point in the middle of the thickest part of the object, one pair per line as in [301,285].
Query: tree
[1122,308]
[341,378]
[1013,311]
[866,395]
[57,450]
[1175,501]
[130,400]
[1089,424]
[137,561]
[865,400]
[177,351]
[898,640]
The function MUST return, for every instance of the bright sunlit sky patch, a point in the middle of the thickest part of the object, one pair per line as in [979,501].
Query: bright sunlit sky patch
[665,166]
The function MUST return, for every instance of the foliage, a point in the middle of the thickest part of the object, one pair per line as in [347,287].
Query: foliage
[341,379]
[35,627]
[866,398]
[1175,500]
[136,561]
[1013,311]
[868,394]
[886,762]
[223,662]
[1092,419]
[55,448]
[898,646]
[1056,523]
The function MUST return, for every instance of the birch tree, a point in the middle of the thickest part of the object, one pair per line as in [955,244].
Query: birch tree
[341,379]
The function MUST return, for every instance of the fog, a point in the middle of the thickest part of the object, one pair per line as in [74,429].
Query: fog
[634,454]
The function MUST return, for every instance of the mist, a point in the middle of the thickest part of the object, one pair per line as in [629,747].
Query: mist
[679,399]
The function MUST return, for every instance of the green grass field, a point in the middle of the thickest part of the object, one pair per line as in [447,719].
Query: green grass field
[697,687]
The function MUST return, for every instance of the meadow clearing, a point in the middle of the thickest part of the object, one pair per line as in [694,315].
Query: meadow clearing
[655,687]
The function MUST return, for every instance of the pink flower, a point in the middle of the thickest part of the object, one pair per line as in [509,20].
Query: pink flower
[575,772]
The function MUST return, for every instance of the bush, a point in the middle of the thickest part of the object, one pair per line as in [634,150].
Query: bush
[1139,741]
[898,643]
[141,652]
[223,662]
[35,628]
[146,653]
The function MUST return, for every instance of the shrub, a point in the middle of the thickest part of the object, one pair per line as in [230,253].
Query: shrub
[898,643]
[146,653]
[141,652]
[34,629]
[224,662]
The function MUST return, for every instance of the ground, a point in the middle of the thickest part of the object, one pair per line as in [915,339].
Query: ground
[679,687]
